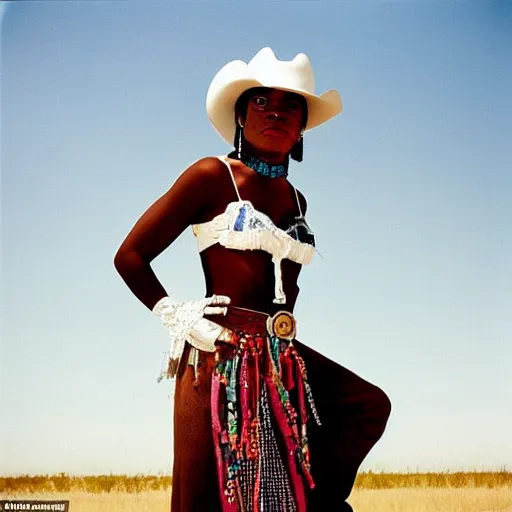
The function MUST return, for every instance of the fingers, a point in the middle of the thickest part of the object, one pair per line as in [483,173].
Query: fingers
[209,310]
[214,302]
[218,300]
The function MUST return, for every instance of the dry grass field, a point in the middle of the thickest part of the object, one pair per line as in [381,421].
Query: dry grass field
[412,492]
[432,500]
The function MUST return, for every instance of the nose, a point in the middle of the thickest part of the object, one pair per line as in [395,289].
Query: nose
[276,116]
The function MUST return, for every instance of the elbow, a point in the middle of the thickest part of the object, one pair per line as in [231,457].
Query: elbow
[119,261]
[119,258]
[124,260]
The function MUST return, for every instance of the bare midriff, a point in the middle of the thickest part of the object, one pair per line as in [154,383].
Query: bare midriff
[247,278]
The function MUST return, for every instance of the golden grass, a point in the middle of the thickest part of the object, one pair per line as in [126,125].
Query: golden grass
[86,484]
[382,492]
[145,501]
[466,499]
[363,500]
[490,480]
[143,483]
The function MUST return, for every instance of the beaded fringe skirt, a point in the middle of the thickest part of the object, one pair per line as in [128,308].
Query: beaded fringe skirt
[261,406]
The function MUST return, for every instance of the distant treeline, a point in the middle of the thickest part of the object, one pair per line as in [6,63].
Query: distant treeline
[63,483]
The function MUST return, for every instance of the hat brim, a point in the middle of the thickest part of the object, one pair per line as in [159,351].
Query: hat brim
[220,106]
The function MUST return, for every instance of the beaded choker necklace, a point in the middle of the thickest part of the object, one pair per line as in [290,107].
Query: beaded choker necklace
[262,167]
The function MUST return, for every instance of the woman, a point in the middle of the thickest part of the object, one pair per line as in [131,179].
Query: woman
[261,421]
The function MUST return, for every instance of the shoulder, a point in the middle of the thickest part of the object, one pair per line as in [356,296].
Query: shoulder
[204,175]
[206,168]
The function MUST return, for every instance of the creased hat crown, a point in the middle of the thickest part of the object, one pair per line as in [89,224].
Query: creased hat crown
[265,70]
[294,74]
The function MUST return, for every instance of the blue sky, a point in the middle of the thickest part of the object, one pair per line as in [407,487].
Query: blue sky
[408,192]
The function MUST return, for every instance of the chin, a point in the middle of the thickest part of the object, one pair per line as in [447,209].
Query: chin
[274,147]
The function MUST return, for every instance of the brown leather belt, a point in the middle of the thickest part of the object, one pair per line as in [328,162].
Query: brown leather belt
[282,324]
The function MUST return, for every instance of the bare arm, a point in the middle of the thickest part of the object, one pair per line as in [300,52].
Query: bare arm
[182,205]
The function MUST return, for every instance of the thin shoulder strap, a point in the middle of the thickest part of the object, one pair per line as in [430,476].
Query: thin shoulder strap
[298,202]
[223,159]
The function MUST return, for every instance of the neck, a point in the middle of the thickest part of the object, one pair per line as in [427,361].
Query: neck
[261,166]
[271,157]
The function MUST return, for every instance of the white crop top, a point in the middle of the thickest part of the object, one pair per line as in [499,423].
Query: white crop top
[242,227]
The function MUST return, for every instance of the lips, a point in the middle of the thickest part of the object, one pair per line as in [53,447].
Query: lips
[274,131]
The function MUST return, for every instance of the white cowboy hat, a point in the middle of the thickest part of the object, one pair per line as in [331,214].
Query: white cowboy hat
[264,70]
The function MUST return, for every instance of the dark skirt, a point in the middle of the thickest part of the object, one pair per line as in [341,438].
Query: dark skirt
[262,448]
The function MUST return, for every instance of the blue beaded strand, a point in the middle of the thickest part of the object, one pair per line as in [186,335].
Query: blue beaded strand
[264,168]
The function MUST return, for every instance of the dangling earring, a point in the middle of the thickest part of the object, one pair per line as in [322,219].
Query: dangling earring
[297,151]
[238,141]
[239,128]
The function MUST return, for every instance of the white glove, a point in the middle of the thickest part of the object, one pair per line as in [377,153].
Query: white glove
[184,320]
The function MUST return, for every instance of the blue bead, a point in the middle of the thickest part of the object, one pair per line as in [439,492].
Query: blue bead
[266,169]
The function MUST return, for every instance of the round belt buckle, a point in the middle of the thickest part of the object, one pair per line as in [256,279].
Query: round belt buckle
[282,325]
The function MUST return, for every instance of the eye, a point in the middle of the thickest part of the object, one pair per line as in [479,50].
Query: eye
[294,105]
[260,101]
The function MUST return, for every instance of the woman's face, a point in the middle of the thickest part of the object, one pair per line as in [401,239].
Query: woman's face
[273,121]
